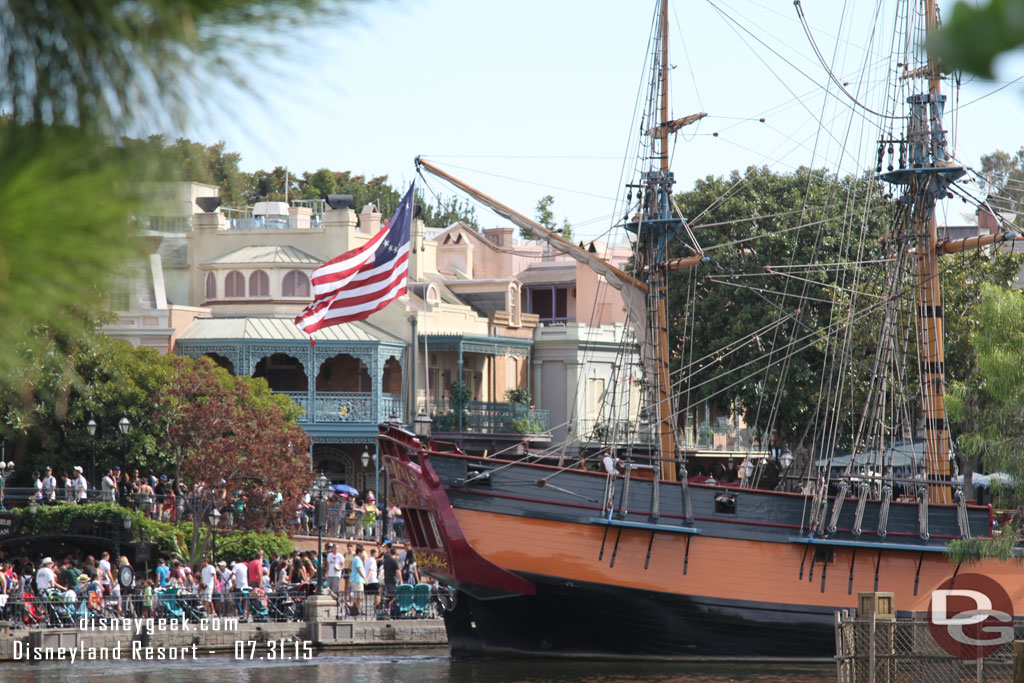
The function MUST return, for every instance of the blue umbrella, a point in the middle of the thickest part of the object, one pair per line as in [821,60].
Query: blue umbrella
[345,488]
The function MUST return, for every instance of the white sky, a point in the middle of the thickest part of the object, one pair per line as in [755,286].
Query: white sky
[528,98]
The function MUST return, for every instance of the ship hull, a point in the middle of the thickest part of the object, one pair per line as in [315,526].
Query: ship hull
[568,619]
[541,568]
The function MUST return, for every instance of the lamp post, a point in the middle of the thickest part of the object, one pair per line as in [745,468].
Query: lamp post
[320,487]
[212,519]
[786,459]
[90,427]
[123,425]
[6,472]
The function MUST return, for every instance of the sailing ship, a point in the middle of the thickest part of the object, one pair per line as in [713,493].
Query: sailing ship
[555,560]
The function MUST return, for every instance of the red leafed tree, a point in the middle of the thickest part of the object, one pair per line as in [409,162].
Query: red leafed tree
[234,440]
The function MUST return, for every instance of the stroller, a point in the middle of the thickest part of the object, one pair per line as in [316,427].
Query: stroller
[281,606]
[258,603]
[30,614]
[177,603]
[60,611]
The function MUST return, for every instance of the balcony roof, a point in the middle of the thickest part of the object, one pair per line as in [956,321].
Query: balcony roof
[280,329]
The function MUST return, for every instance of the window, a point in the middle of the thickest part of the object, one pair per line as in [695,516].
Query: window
[234,285]
[211,286]
[513,305]
[119,296]
[259,284]
[295,284]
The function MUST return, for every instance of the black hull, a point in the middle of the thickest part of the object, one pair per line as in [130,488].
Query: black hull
[591,621]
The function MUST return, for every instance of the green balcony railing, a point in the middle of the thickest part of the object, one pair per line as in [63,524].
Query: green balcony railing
[489,418]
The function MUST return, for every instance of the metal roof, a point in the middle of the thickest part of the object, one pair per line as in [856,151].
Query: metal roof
[559,273]
[280,329]
[266,254]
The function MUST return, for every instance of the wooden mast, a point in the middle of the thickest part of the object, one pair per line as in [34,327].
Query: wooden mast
[927,174]
[659,286]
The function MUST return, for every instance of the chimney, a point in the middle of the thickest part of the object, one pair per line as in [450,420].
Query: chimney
[988,222]
[369,220]
[501,237]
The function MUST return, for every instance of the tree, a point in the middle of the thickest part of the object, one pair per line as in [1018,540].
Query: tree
[234,440]
[1004,174]
[987,411]
[78,76]
[974,36]
[743,332]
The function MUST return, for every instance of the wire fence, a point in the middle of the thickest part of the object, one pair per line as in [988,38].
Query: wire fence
[67,609]
[871,650]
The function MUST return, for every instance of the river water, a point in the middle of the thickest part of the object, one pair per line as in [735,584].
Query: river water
[433,667]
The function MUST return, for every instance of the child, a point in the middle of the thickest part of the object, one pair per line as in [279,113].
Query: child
[147,598]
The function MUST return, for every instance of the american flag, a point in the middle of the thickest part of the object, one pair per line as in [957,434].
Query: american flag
[364,280]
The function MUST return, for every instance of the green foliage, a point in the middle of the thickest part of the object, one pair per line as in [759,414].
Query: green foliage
[59,519]
[526,425]
[756,221]
[974,36]
[460,393]
[986,410]
[519,395]
[242,546]
[546,217]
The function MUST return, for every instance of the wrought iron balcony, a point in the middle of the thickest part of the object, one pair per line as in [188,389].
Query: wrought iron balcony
[365,407]
[489,418]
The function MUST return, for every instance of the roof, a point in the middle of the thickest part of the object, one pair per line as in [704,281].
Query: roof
[556,273]
[266,254]
[279,329]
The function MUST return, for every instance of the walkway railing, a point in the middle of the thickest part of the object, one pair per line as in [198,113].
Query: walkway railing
[67,608]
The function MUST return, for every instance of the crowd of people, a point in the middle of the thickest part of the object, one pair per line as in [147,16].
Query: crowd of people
[358,577]
[352,516]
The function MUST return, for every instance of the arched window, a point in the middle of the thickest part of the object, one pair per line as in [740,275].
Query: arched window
[343,373]
[234,285]
[259,284]
[211,286]
[295,284]
[391,381]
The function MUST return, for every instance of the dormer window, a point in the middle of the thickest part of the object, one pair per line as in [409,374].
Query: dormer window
[259,284]
[295,284]
[234,285]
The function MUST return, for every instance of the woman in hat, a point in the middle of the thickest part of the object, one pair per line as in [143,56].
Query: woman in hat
[369,516]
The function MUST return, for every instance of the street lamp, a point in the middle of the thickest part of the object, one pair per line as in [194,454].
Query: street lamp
[422,425]
[320,487]
[124,425]
[212,519]
[90,427]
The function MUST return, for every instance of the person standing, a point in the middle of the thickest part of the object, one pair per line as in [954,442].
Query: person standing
[49,487]
[108,487]
[335,561]
[357,580]
[370,516]
[372,582]
[104,574]
[81,486]
[37,484]
[240,571]
[390,572]
[207,581]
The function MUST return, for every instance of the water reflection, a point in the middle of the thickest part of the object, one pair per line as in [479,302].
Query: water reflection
[425,668]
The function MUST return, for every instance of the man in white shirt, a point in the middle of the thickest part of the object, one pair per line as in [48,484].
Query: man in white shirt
[108,486]
[81,486]
[49,486]
[207,579]
[103,571]
[240,569]
[335,561]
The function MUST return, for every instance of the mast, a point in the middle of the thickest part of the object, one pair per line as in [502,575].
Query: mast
[926,171]
[655,226]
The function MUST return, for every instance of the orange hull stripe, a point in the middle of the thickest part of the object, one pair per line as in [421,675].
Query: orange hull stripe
[733,569]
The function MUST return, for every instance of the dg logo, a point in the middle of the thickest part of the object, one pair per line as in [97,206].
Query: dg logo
[971,616]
